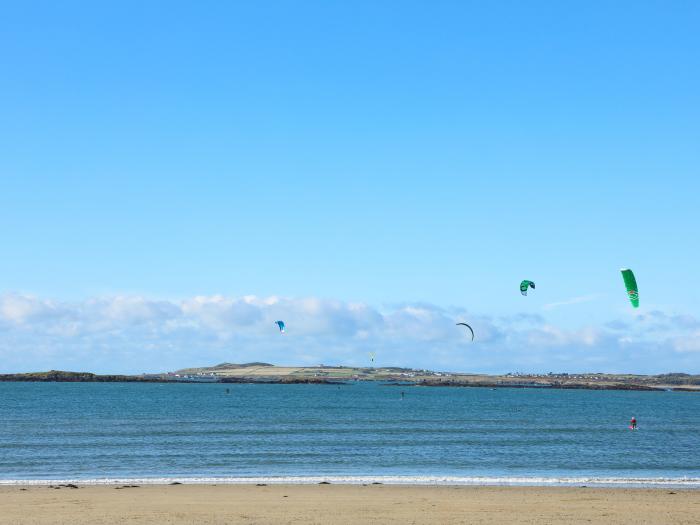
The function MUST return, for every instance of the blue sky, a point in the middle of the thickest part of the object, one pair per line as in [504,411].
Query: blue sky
[417,159]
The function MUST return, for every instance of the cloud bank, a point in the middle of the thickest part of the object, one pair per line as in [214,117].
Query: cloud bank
[132,334]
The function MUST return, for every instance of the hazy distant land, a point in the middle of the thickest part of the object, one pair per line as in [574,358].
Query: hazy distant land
[321,374]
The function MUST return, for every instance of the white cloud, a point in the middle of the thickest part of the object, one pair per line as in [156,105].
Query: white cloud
[687,343]
[574,300]
[20,309]
[133,334]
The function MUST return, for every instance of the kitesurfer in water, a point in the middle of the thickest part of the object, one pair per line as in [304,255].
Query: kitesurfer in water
[633,423]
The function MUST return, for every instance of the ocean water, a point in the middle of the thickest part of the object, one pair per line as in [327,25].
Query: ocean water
[353,433]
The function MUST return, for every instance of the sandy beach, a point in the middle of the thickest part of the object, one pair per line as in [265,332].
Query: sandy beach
[343,504]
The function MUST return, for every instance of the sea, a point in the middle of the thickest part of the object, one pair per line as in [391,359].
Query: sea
[351,433]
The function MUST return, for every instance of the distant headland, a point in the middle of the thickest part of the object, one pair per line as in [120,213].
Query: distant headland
[321,374]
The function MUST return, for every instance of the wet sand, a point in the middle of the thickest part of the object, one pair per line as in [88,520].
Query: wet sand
[346,504]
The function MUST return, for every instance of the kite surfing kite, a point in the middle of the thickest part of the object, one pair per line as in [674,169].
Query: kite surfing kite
[280,324]
[371,356]
[470,328]
[525,285]
[631,286]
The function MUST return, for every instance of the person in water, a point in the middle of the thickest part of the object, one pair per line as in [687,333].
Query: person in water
[633,423]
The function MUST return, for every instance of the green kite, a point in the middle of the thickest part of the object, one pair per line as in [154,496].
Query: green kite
[631,285]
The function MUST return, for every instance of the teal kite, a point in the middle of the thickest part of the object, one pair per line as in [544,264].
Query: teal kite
[525,285]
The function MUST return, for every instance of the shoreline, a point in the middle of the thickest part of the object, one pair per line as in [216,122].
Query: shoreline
[686,483]
[345,505]
[380,382]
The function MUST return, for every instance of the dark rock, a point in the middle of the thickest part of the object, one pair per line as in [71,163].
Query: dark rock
[73,377]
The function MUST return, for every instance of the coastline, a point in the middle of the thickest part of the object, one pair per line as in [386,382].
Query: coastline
[688,483]
[345,504]
[387,382]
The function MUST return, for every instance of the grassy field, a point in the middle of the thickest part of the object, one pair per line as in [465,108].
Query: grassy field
[256,371]
[264,372]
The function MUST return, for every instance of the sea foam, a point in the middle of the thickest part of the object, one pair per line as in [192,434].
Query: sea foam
[682,482]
